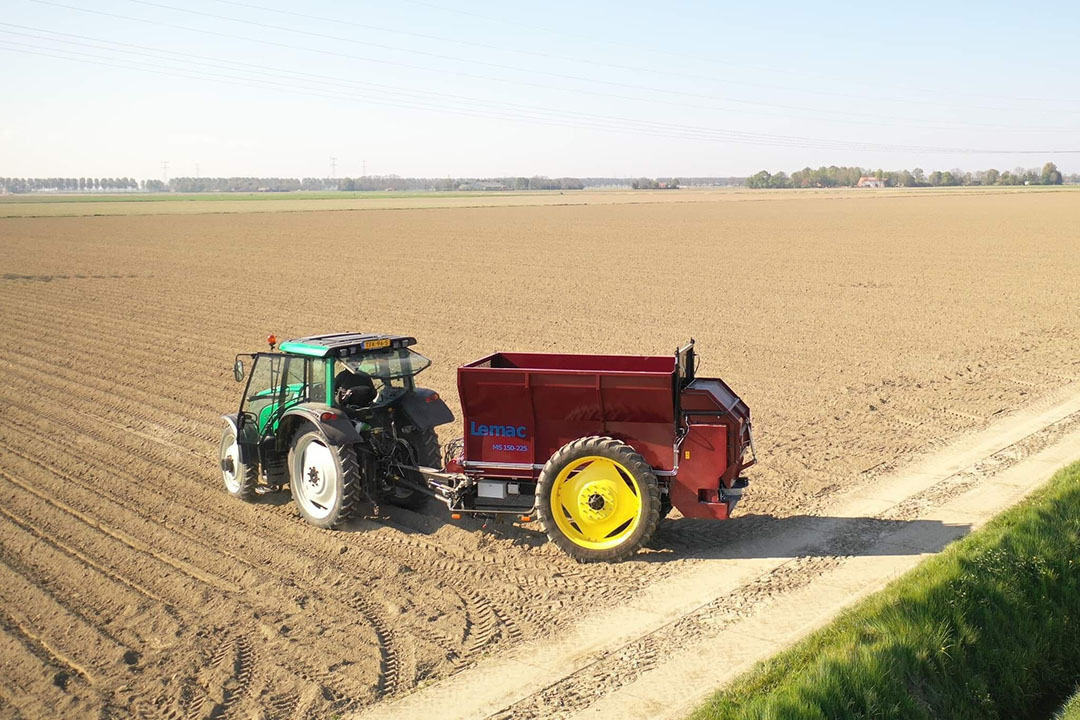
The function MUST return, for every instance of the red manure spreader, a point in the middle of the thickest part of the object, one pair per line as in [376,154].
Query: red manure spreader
[597,448]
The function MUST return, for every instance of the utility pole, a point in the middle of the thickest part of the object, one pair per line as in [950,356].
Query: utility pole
[333,168]
[165,170]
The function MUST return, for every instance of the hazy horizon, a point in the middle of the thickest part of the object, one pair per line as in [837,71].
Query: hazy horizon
[221,88]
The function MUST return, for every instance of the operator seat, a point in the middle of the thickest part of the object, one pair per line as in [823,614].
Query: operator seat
[353,389]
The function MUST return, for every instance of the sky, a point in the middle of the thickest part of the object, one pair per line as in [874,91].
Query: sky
[220,88]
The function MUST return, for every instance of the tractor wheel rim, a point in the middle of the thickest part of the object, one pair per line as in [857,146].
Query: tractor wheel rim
[315,478]
[230,463]
[596,502]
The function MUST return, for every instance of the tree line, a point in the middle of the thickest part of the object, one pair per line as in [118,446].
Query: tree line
[373,183]
[24,185]
[657,184]
[834,176]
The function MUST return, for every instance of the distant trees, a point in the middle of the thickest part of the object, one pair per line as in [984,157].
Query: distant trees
[822,177]
[759,180]
[834,176]
[1050,175]
[657,184]
[55,184]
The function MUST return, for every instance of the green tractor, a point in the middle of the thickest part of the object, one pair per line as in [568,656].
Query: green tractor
[339,419]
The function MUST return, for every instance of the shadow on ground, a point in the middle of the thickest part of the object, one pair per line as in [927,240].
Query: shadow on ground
[679,538]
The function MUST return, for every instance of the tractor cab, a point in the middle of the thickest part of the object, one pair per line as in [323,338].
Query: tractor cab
[348,371]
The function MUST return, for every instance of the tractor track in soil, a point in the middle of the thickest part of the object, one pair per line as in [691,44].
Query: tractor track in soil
[380,627]
[184,603]
[388,549]
[481,631]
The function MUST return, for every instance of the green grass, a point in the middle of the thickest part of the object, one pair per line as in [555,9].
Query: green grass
[1071,709]
[990,628]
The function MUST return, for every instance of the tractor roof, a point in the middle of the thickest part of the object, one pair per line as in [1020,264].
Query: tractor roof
[342,344]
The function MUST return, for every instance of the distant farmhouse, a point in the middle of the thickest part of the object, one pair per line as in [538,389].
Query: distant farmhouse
[871,182]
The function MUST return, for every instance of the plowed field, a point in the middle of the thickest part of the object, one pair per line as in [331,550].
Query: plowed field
[861,329]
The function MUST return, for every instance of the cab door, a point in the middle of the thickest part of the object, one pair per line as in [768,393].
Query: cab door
[262,394]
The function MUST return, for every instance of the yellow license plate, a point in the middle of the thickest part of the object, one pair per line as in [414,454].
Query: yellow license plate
[376,344]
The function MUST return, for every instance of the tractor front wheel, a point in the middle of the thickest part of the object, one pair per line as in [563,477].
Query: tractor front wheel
[240,478]
[598,499]
[324,479]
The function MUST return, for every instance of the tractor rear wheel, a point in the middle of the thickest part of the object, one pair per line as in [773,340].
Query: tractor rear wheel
[425,445]
[324,479]
[598,499]
[240,478]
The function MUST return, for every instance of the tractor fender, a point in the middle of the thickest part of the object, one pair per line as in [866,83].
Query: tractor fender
[246,439]
[231,420]
[426,409]
[337,429]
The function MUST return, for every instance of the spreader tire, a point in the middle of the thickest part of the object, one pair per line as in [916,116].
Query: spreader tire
[324,479]
[425,443]
[598,500]
[240,478]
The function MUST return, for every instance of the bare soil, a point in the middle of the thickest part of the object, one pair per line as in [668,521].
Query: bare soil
[861,329]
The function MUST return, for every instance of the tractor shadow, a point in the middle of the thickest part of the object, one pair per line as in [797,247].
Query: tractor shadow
[744,537]
[767,536]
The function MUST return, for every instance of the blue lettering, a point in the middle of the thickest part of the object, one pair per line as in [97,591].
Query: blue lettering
[514,431]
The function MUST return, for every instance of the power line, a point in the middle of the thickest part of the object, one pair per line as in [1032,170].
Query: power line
[637,47]
[545,117]
[624,125]
[852,118]
[440,56]
[276,72]
[323,36]
[553,56]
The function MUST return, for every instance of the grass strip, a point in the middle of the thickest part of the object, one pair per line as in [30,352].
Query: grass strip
[1071,709]
[989,628]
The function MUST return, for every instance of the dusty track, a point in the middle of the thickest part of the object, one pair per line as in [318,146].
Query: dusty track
[861,331]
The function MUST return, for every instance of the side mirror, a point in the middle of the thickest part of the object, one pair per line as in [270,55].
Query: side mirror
[238,370]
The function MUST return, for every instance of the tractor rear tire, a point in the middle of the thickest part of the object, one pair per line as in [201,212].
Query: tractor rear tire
[324,479]
[598,500]
[240,478]
[665,506]
[425,443]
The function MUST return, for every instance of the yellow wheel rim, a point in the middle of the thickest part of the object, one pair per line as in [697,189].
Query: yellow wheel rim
[596,502]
